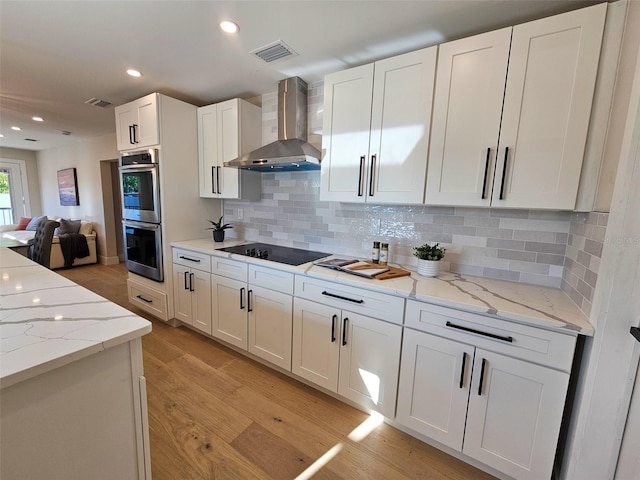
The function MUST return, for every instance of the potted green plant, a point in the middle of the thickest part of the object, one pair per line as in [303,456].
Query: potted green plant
[218,229]
[429,259]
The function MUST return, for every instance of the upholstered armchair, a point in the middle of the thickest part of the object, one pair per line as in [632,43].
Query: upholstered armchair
[40,247]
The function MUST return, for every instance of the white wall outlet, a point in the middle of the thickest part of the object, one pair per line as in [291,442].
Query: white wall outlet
[240,214]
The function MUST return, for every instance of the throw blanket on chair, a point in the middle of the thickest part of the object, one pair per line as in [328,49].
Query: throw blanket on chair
[73,245]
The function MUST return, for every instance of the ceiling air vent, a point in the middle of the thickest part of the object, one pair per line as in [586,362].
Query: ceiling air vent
[274,51]
[31,140]
[96,102]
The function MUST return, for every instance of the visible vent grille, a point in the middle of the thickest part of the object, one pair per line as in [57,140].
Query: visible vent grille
[65,132]
[31,140]
[274,51]
[96,102]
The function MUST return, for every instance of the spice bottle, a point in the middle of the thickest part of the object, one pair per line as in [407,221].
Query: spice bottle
[384,254]
[375,252]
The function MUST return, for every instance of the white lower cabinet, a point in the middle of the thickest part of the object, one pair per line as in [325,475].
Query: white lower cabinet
[249,315]
[502,411]
[354,355]
[192,289]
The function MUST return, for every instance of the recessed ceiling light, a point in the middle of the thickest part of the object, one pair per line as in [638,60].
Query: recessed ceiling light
[134,73]
[1,135]
[229,26]
[17,129]
[37,119]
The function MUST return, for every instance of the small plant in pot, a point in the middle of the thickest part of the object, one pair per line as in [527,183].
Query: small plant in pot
[429,259]
[218,229]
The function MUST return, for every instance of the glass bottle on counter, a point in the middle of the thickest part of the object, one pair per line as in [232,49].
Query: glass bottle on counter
[384,254]
[375,252]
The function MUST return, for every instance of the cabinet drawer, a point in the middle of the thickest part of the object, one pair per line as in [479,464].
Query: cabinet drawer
[373,304]
[148,299]
[229,268]
[271,278]
[187,258]
[537,345]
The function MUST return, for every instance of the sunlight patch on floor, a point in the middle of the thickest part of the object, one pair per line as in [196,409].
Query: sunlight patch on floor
[321,462]
[365,428]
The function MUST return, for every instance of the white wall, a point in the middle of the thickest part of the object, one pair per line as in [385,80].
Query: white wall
[85,157]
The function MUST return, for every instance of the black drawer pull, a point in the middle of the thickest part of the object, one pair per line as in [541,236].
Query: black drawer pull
[371,177]
[249,296]
[480,332]
[191,276]
[190,259]
[144,299]
[484,362]
[242,298]
[186,285]
[341,297]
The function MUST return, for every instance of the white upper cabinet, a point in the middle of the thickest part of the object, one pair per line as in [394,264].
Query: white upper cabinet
[137,124]
[552,67]
[376,130]
[467,109]
[225,131]
[548,97]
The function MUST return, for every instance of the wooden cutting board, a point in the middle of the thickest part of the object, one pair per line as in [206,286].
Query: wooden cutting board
[392,273]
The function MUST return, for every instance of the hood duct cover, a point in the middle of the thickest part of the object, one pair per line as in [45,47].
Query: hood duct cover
[291,152]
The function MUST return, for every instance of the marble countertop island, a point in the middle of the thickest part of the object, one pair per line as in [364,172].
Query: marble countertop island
[47,321]
[538,306]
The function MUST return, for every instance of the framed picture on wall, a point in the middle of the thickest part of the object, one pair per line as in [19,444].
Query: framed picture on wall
[68,187]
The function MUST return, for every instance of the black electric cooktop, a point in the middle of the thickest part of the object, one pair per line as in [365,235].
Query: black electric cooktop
[276,253]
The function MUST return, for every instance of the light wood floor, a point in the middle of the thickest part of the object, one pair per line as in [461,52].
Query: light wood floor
[214,414]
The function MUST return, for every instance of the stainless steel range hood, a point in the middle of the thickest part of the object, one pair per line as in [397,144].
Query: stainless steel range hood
[291,152]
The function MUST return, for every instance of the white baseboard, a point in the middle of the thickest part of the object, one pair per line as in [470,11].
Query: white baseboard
[109,260]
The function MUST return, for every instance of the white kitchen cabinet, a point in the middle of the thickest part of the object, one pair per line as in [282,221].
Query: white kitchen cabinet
[229,310]
[547,99]
[137,124]
[494,391]
[376,128]
[354,355]
[192,289]
[467,109]
[252,309]
[227,130]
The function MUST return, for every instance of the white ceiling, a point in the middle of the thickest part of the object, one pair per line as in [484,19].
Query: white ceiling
[55,55]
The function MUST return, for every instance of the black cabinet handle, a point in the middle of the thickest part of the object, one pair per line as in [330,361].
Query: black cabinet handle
[334,320]
[344,330]
[218,179]
[464,362]
[480,332]
[144,299]
[131,135]
[360,175]
[373,169]
[135,133]
[242,298]
[213,179]
[484,362]
[191,278]
[486,172]
[249,307]
[504,172]
[341,297]
[186,286]
[190,259]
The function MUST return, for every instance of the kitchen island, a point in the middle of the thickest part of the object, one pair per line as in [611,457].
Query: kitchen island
[73,398]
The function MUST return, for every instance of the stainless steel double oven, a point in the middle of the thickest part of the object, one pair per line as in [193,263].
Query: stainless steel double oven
[141,213]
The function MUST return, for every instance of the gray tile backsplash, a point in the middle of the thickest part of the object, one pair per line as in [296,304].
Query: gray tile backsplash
[530,246]
[582,259]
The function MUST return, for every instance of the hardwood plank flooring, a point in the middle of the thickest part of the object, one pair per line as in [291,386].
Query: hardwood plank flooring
[215,414]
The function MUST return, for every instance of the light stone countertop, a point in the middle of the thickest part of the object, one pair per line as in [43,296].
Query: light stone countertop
[47,321]
[534,305]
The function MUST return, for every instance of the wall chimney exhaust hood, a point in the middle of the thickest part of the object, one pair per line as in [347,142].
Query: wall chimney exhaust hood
[291,152]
